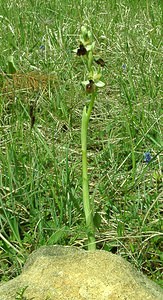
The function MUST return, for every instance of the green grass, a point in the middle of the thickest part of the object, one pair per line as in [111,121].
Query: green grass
[40,168]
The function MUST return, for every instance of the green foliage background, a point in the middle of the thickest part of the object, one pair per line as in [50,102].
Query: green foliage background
[40,168]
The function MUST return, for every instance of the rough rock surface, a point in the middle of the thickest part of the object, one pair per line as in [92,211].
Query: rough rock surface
[66,273]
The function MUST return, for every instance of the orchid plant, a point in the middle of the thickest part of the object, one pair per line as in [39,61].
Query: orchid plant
[91,85]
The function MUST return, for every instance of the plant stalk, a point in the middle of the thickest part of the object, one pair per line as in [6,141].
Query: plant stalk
[88,208]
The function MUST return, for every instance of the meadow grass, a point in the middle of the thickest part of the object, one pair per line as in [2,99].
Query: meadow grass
[40,167]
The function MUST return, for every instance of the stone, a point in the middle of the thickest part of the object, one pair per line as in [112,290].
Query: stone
[68,273]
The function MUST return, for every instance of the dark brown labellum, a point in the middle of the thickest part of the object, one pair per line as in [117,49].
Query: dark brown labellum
[100,62]
[90,86]
[82,50]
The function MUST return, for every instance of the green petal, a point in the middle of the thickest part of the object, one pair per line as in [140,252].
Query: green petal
[85,82]
[100,84]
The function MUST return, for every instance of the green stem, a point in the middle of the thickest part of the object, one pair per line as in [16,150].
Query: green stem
[88,209]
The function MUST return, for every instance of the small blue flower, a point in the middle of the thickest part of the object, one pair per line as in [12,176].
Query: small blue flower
[147,157]
[42,47]
[124,67]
